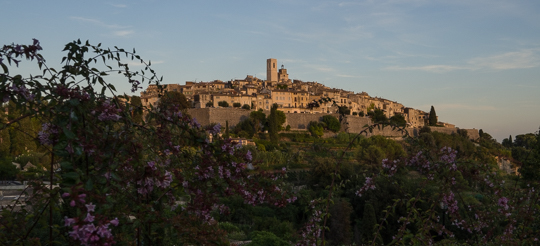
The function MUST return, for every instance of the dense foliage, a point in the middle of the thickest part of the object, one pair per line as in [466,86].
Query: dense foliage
[331,123]
[161,181]
[155,182]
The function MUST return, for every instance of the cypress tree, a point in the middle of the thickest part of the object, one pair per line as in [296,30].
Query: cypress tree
[432,117]
[226,129]
[273,126]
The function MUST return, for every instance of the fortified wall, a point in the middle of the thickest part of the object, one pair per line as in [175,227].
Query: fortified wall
[299,121]
[207,116]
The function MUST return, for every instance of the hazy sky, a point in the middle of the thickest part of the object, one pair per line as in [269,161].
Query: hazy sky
[476,61]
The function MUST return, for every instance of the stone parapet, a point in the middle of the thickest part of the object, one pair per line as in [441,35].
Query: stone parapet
[300,121]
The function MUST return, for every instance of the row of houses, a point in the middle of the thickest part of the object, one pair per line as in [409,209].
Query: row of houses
[292,96]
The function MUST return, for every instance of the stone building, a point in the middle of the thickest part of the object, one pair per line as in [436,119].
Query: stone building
[271,70]
[292,96]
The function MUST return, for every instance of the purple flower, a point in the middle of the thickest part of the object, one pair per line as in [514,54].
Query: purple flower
[90,207]
[115,222]
[89,218]
[194,123]
[68,221]
[81,197]
[215,129]
[152,165]
[135,85]
[109,112]
[450,202]
[47,130]
[104,232]
[503,202]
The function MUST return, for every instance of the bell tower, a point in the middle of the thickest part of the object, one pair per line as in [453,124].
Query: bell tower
[271,70]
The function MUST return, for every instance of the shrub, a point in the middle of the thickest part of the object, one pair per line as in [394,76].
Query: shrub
[264,238]
[120,180]
[224,104]
[332,123]
[315,129]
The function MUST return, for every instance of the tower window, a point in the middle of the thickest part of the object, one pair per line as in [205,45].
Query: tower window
[274,65]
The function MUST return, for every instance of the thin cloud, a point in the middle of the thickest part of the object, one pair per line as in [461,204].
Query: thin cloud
[138,64]
[123,33]
[323,68]
[428,68]
[528,58]
[118,5]
[465,107]
[349,76]
[511,60]
[97,22]
[115,30]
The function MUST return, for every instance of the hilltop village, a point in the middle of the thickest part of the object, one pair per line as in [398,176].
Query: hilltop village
[292,97]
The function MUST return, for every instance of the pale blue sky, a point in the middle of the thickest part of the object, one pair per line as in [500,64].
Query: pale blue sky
[476,61]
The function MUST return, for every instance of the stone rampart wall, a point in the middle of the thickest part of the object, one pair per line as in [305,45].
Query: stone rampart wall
[206,116]
[299,121]
[355,124]
[471,133]
[202,115]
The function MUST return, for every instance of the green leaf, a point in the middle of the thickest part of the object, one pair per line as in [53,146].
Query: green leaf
[114,176]
[69,134]
[74,102]
[89,184]
[60,146]
[73,116]
[71,175]
[4,67]
[66,165]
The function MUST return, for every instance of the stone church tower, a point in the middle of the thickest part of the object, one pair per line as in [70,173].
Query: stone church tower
[271,70]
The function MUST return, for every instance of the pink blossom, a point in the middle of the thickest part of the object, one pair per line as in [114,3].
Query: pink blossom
[152,165]
[115,222]
[68,221]
[503,202]
[89,218]
[90,207]
[215,129]
[450,202]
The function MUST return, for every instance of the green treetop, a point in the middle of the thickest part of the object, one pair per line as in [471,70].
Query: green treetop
[432,117]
